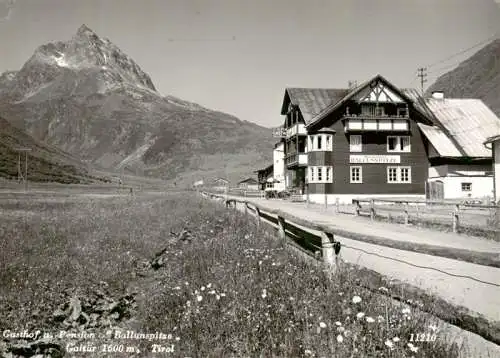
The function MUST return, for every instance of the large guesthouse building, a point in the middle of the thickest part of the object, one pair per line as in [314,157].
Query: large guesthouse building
[376,140]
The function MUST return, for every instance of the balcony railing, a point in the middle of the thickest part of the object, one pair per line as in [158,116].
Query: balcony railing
[298,128]
[296,159]
[375,123]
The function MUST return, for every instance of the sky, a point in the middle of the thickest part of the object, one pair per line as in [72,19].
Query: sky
[238,56]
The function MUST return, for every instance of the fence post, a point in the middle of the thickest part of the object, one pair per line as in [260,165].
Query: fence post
[372,209]
[328,251]
[257,215]
[456,218]
[326,201]
[407,213]
[281,226]
[246,208]
[337,205]
[357,208]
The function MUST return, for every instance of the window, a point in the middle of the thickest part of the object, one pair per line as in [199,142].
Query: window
[356,175]
[320,142]
[367,110]
[467,187]
[402,112]
[355,143]
[379,111]
[398,144]
[321,174]
[399,174]
[404,175]
[392,175]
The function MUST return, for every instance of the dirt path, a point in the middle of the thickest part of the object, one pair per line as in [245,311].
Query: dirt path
[390,231]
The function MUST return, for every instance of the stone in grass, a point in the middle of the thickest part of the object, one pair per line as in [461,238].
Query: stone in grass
[76,308]
[59,315]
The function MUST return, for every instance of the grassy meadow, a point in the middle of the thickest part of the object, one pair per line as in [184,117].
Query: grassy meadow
[207,278]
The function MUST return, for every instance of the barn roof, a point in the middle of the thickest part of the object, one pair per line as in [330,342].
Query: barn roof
[462,127]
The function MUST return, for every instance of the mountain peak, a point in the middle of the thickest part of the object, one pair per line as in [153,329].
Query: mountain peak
[85,30]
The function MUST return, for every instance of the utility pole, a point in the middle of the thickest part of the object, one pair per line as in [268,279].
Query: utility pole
[20,175]
[422,73]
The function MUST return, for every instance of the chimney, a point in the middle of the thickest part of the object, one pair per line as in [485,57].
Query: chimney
[438,95]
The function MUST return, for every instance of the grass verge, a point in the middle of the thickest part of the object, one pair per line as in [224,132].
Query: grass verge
[229,290]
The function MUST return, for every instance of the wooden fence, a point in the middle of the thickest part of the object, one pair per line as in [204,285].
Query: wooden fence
[458,215]
[246,193]
[313,239]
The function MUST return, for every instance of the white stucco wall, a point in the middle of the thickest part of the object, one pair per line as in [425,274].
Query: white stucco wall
[482,186]
[496,169]
[279,162]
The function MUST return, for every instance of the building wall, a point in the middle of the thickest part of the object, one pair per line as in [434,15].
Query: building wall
[347,198]
[481,186]
[374,175]
[459,169]
[496,169]
[279,162]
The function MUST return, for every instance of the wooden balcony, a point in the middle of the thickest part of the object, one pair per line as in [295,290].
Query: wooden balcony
[295,160]
[296,129]
[385,123]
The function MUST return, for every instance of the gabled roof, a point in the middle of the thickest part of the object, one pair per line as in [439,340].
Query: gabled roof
[268,168]
[311,101]
[249,180]
[463,125]
[350,94]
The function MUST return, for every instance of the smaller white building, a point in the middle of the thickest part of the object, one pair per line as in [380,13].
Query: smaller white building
[460,165]
[279,171]
[493,143]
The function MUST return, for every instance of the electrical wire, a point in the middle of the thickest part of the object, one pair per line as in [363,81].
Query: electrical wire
[483,42]
[420,266]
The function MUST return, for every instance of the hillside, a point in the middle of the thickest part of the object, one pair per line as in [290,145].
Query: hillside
[44,163]
[476,77]
[93,101]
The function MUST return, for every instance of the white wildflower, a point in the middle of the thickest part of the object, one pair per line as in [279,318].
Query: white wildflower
[389,343]
[412,347]
[264,293]
[199,298]
[356,299]
[322,324]
[340,339]
[370,320]
[360,315]
[338,323]
[395,339]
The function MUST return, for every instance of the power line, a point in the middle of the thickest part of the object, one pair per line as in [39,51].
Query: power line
[484,42]
[423,267]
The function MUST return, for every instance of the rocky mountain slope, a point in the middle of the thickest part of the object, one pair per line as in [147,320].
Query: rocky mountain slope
[476,77]
[44,162]
[90,99]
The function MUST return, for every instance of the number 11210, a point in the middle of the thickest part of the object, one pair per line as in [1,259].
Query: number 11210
[422,337]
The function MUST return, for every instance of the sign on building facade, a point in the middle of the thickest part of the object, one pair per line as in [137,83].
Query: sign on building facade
[374,159]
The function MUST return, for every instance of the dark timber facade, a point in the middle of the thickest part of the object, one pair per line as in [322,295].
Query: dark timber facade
[355,143]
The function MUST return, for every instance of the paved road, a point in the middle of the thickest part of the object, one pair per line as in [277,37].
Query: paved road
[479,297]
